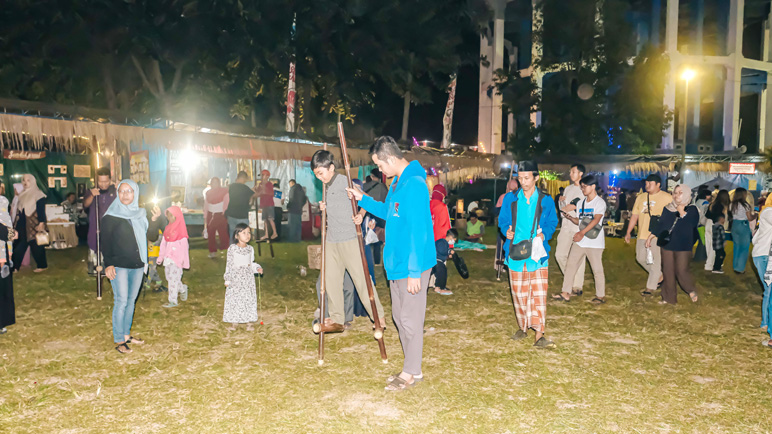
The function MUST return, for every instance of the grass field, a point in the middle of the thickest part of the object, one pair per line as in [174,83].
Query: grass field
[630,365]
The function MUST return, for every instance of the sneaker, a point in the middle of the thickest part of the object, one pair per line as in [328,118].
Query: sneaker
[212,255]
[184,295]
[163,288]
[3,331]
[170,305]
[544,343]
[718,271]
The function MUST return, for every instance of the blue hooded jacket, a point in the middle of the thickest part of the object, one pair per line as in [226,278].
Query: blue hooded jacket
[548,222]
[409,247]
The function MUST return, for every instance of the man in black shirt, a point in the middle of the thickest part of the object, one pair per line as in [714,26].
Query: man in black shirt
[295,203]
[240,199]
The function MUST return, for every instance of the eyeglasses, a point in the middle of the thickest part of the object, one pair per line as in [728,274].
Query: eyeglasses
[126,191]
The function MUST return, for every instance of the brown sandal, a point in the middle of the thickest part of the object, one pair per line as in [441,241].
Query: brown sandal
[123,348]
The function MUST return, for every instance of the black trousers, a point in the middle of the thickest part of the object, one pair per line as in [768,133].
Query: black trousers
[20,248]
[440,275]
[720,256]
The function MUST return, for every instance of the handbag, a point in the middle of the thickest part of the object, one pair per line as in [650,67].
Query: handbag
[461,267]
[522,250]
[585,221]
[664,237]
[653,219]
[42,238]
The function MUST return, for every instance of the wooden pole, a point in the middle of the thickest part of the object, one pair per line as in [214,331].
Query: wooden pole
[323,284]
[98,247]
[500,259]
[378,333]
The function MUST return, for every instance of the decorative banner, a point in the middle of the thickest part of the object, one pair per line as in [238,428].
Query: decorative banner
[81,171]
[447,120]
[291,100]
[177,194]
[52,168]
[742,168]
[10,154]
[139,167]
[52,180]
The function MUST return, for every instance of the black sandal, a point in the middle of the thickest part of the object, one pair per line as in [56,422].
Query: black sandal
[597,300]
[133,340]
[123,348]
[647,292]
[560,297]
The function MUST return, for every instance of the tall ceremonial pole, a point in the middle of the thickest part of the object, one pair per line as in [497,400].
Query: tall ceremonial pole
[378,333]
[323,283]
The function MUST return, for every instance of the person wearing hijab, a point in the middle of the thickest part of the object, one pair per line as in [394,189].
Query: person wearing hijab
[679,219]
[762,250]
[174,254]
[440,215]
[7,234]
[123,241]
[32,219]
[216,202]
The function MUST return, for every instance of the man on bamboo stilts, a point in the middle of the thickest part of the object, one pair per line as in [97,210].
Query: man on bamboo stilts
[409,252]
[342,248]
[528,219]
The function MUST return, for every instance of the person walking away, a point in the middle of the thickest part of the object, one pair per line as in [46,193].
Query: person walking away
[440,270]
[375,188]
[342,248]
[153,280]
[678,224]
[762,250]
[741,212]
[217,199]
[621,204]
[104,193]
[474,228]
[240,291]
[586,247]
[295,203]
[239,201]
[718,207]
[646,213]
[409,253]
[123,240]
[529,220]
[267,207]
[7,235]
[717,243]
[175,255]
[572,194]
[31,221]
[439,210]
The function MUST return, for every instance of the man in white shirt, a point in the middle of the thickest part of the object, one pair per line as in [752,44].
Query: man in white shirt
[568,204]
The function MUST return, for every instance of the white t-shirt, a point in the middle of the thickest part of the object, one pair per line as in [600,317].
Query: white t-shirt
[570,193]
[739,212]
[591,208]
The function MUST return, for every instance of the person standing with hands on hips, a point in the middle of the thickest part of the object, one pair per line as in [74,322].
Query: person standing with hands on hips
[528,219]
[646,213]
[409,254]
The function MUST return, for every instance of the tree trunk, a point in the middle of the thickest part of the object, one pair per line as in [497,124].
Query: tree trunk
[405,116]
[107,78]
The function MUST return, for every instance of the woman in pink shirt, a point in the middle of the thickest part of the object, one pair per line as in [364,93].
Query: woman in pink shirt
[174,255]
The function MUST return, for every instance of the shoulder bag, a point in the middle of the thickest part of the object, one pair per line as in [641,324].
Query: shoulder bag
[585,221]
[522,250]
[664,237]
[653,219]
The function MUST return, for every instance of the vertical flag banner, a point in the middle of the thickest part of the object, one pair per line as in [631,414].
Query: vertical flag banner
[447,120]
[290,126]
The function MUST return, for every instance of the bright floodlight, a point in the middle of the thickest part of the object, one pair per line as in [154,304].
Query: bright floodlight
[688,74]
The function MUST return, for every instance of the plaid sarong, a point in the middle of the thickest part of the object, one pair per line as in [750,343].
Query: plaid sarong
[529,293]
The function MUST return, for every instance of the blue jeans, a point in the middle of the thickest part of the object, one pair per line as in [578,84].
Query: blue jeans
[741,237]
[295,222]
[761,266]
[232,222]
[125,290]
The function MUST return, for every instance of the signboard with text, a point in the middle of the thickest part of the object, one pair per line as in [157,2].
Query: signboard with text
[742,168]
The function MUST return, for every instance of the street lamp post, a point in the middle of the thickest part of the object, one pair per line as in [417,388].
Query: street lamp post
[687,75]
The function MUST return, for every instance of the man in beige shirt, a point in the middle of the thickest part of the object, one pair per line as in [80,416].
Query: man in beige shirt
[648,205]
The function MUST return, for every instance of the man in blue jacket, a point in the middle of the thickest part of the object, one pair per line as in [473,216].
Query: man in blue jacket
[408,254]
[535,220]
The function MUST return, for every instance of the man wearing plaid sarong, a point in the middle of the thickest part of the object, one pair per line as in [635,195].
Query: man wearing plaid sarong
[528,214]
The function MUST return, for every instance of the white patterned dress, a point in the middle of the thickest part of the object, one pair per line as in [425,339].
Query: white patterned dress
[240,295]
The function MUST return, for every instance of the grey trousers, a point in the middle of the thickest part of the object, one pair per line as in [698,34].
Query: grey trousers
[409,312]
[348,297]
[342,257]
[655,269]
[562,250]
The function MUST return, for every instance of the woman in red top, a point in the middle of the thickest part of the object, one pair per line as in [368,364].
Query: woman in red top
[440,215]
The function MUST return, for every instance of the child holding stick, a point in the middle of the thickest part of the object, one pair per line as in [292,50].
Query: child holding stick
[240,270]
[174,255]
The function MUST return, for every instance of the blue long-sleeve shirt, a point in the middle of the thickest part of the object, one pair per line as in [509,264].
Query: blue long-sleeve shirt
[548,222]
[443,249]
[409,247]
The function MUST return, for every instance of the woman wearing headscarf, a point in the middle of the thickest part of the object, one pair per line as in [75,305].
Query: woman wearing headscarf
[675,234]
[762,250]
[123,233]
[31,220]
[7,234]
[215,204]
[440,215]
